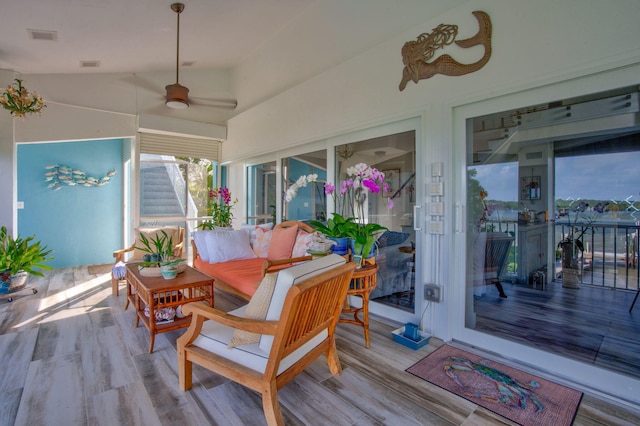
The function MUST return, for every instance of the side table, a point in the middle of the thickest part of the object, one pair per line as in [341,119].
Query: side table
[157,293]
[364,281]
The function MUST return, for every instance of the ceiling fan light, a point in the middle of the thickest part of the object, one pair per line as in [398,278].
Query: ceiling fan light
[177,104]
[177,96]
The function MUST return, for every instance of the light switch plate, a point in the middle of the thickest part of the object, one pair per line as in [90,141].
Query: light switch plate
[436,209]
[436,188]
[436,169]
[436,227]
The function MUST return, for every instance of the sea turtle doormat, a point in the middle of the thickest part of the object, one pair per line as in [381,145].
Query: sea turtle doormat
[511,393]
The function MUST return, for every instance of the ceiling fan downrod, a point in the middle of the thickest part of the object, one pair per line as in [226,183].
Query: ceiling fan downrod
[177,95]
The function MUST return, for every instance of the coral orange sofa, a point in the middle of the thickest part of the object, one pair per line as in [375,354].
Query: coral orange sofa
[237,261]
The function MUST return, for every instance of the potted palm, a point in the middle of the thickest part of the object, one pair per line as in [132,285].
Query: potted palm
[20,257]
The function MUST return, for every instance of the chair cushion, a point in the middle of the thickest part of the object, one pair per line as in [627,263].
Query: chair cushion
[282,241]
[172,232]
[223,246]
[256,309]
[291,276]
[215,338]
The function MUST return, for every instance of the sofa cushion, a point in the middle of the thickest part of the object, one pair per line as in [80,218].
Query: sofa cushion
[201,244]
[261,242]
[252,229]
[282,241]
[292,276]
[392,238]
[256,309]
[223,246]
[244,275]
[215,337]
[303,241]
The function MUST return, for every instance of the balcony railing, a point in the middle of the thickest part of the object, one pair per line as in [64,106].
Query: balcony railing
[611,256]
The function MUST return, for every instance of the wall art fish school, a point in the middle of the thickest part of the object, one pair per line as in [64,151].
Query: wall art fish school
[59,176]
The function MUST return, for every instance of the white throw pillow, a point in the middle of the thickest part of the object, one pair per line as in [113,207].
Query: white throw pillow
[201,245]
[223,246]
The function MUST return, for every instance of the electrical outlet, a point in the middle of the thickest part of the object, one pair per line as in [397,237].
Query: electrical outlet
[432,292]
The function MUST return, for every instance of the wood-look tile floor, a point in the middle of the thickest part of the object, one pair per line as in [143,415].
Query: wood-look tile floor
[590,324]
[70,355]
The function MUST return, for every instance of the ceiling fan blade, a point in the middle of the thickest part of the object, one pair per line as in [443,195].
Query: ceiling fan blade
[226,103]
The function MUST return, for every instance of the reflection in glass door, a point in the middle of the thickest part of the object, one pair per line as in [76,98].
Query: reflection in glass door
[310,201]
[261,193]
[395,156]
[528,196]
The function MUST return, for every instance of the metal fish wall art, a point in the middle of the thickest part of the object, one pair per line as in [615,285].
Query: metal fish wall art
[61,175]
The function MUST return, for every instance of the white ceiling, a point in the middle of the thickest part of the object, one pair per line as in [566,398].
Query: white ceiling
[249,50]
[137,35]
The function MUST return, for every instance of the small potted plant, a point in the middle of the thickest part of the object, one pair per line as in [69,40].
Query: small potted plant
[20,257]
[159,254]
[169,266]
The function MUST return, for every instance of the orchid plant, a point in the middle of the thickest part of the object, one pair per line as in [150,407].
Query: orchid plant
[349,199]
[220,205]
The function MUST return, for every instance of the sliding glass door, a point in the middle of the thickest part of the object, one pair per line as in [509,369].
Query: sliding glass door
[552,225]
[392,150]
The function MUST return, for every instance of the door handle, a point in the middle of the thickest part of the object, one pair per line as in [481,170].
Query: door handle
[416,227]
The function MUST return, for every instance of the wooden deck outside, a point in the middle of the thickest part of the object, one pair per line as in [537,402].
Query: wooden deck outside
[71,355]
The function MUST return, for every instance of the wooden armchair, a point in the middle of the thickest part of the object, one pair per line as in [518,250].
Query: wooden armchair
[117,272]
[298,327]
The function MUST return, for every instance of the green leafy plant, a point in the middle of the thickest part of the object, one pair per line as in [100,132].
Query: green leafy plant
[23,254]
[158,244]
[365,237]
[336,227]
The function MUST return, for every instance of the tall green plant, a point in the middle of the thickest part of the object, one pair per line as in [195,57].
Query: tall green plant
[23,254]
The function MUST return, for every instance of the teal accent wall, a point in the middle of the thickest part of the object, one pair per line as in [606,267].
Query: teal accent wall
[83,225]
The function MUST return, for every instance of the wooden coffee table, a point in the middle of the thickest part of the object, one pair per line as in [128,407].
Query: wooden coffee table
[157,293]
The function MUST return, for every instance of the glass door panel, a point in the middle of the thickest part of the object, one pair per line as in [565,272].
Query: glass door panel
[309,201]
[261,193]
[535,185]
[395,156]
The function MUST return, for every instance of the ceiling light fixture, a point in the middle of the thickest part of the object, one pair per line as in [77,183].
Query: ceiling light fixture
[345,151]
[20,102]
[177,95]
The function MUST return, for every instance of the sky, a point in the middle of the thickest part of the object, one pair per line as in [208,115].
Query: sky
[600,177]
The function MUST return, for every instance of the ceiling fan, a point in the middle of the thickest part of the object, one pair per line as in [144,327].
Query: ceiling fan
[177,95]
